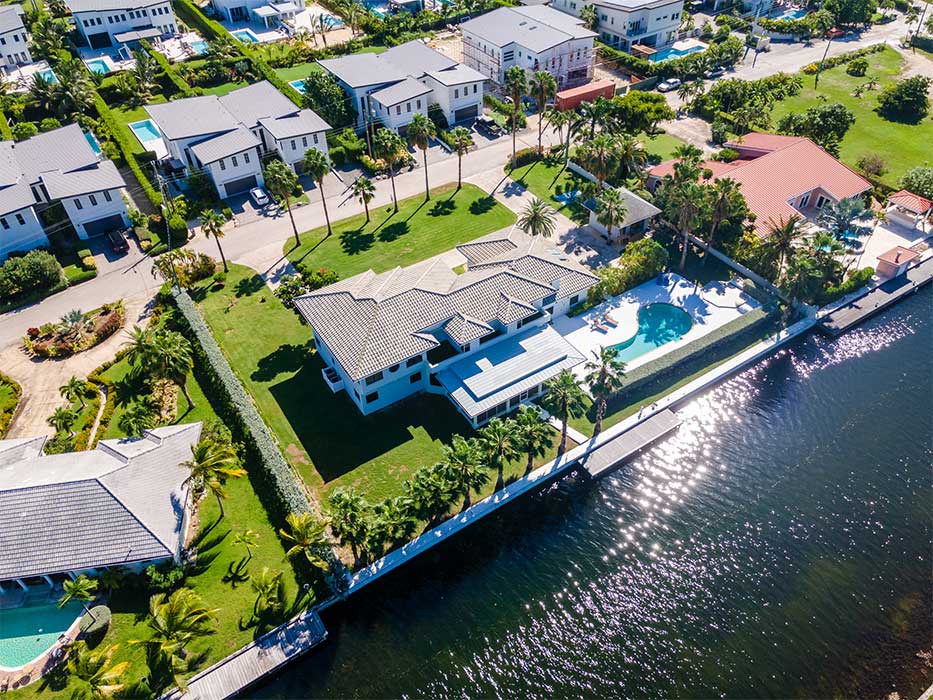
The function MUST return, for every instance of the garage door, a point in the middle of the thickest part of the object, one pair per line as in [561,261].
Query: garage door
[105,225]
[99,41]
[466,113]
[244,184]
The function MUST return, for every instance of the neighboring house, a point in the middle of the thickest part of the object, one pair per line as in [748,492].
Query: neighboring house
[780,177]
[909,209]
[482,338]
[622,23]
[639,215]
[406,80]
[123,504]
[269,13]
[14,39]
[231,137]
[537,38]
[54,167]
[895,262]
[102,22]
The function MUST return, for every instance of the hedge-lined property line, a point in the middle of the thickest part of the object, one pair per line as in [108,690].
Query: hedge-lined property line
[5,131]
[180,83]
[8,410]
[106,386]
[838,60]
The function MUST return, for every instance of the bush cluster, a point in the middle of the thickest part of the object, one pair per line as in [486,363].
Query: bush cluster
[345,147]
[833,61]
[857,279]
[8,406]
[641,260]
[37,270]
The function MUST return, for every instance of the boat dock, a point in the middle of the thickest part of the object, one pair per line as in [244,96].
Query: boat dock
[610,455]
[255,661]
[877,299]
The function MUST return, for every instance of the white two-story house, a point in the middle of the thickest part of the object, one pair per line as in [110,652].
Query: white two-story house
[14,39]
[537,38]
[57,168]
[482,338]
[623,23]
[268,13]
[231,137]
[101,22]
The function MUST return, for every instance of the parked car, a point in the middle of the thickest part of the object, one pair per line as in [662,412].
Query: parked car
[259,196]
[118,241]
[716,72]
[669,84]
[486,123]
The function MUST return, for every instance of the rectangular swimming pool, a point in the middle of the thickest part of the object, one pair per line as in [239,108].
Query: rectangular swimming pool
[145,131]
[97,65]
[199,47]
[246,36]
[665,54]
[92,142]
[299,85]
[792,14]
[48,75]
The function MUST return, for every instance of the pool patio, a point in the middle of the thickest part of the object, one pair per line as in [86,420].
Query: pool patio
[710,306]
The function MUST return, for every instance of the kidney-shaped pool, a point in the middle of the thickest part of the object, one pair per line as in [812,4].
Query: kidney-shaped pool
[658,324]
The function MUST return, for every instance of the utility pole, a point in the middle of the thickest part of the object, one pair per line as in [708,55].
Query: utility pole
[168,229]
[819,69]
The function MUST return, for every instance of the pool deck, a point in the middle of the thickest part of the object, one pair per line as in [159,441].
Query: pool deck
[157,146]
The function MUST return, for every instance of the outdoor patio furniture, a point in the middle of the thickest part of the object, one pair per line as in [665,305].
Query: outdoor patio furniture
[610,320]
[597,326]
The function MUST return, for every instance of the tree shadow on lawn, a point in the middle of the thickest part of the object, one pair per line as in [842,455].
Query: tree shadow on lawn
[483,205]
[356,241]
[285,358]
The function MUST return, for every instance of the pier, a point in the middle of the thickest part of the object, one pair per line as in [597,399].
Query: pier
[611,455]
[877,299]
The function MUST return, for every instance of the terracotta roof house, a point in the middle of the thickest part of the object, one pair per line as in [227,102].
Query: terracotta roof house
[780,176]
[895,262]
[482,337]
[909,209]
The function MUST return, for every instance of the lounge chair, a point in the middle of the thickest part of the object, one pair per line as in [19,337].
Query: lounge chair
[607,317]
[596,325]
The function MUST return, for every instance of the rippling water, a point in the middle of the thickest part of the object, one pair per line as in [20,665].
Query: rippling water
[778,545]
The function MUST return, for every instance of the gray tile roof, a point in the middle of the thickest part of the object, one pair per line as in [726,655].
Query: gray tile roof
[192,116]
[463,329]
[415,58]
[300,123]
[362,70]
[372,321]
[457,75]
[16,197]
[103,177]
[536,28]
[122,502]
[407,89]
[251,103]
[109,5]
[11,18]
[228,144]
[63,149]
[18,449]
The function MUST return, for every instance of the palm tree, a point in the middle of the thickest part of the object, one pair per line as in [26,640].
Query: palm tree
[533,434]
[590,17]
[430,493]
[543,87]
[145,74]
[463,142]
[420,132]
[611,209]
[138,417]
[592,113]
[62,419]
[308,535]
[171,359]
[564,400]
[364,190]
[323,24]
[801,278]
[72,322]
[212,224]
[499,442]
[516,84]
[844,217]
[782,235]
[95,669]
[687,202]
[74,390]
[389,147]
[176,620]
[600,156]
[139,346]
[538,219]
[631,156]
[350,518]
[211,464]
[248,539]
[558,120]
[269,586]
[725,198]
[605,373]
[393,521]
[82,589]
[282,181]
[463,462]
[316,166]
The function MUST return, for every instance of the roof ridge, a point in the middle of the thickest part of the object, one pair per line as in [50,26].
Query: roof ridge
[133,515]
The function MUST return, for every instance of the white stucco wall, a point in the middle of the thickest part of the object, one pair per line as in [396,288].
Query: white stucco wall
[159,14]
[15,236]
[235,167]
[94,206]
[397,116]
[452,98]
[293,150]
[14,47]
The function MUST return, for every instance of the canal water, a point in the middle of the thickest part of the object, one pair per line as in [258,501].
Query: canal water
[779,545]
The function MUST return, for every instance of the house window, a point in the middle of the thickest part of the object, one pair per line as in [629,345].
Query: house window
[235,163]
[372,397]
[393,368]
[574,299]
[412,361]
[415,378]
[293,144]
[373,378]
[4,223]
[456,92]
[475,86]
[805,200]
[78,205]
[398,109]
[93,200]
[465,348]
[246,157]
[304,141]
[408,106]
[419,104]
[820,201]
[20,220]
[223,166]
[107,196]
[315,139]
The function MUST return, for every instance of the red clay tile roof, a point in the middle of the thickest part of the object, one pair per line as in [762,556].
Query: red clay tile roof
[898,255]
[771,180]
[764,142]
[909,200]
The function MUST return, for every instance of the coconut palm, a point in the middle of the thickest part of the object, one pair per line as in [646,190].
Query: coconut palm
[82,589]
[463,142]
[557,121]
[281,181]
[725,199]
[350,518]
[137,417]
[364,190]
[516,85]
[686,201]
[176,620]
[592,113]
[393,521]
[564,400]
[316,166]
[62,419]
[323,24]
[499,443]
[248,539]
[139,346]
[269,587]
[801,278]
[308,535]
[389,147]
[95,669]
[600,156]
[212,224]
[533,434]
[542,87]
[420,132]
[610,209]
[211,464]
[605,373]
[171,359]
[74,390]
[538,219]
[845,217]
[463,462]
[631,157]
[782,236]
[590,17]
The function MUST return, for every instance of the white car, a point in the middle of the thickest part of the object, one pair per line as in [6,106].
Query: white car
[259,196]
[669,84]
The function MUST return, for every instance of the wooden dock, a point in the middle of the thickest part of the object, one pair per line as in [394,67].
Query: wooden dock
[878,299]
[255,661]
[613,453]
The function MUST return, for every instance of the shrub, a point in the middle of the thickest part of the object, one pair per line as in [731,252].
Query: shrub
[88,262]
[49,124]
[727,155]
[919,180]
[165,577]
[138,219]
[720,131]
[641,260]
[8,407]
[220,278]
[24,130]
[178,225]
[37,270]
[84,253]
[95,622]
[857,67]
[856,280]
[872,164]
[906,100]
[523,156]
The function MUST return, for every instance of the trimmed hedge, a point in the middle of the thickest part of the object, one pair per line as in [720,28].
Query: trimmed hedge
[189,14]
[833,61]
[8,408]
[180,83]
[5,132]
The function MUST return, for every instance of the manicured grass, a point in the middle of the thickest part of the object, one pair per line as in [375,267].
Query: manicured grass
[419,230]
[661,146]
[9,400]
[900,145]
[126,116]
[299,72]
[547,178]
[224,88]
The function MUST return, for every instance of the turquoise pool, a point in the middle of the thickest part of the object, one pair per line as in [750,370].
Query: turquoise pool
[299,85]
[48,75]
[26,633]
[92,142]
[98,65]
[200,47]
[792,14]
[145,131]
[658,324]
[665,54]
[246,36]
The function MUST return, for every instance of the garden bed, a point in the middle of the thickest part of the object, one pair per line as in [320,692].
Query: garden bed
[75,333]
[10,393]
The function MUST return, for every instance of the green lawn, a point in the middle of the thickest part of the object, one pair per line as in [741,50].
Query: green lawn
[419,230]
[547,178]
[661,146]
[224,88]
[126,116]
[9,399]
[900,145]
[299,72]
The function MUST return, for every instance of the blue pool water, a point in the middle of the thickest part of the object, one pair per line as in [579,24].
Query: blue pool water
[380,9]
[199,47]
[145,131]
[792,14]
[246,36]
[665,54]
[657,324]
[92,142]
[566,197]
[299,85]
[49,75]
[25,633]
[98,65]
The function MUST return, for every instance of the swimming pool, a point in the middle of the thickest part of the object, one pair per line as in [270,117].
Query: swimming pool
[299,85]
[97,65]
[145,131]
[200,47]
[665,54]
[92,142]
[246,36]
[380,9]
[48,75]
[26,633]
[658,323]
[792,14]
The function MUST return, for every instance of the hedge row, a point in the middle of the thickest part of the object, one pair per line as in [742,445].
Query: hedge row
[238,412]
[101,382]
[189,14]
[5,130]
[833,61]
[8,408]
[180,83]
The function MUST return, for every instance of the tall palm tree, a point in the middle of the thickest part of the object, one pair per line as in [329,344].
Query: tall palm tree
[605,373]
[600,156]
[308,535]
[725,198]
[687,201]
[845,217]
[610,209]
[323,24]
[463,462]
[420,132]
[350,518]
[542,87]
[95,669]
[171,359]
[139,346]
[63,420]
[631,156]
[557,121]
[282,181]
[564,400]
[145,72]
[74,390]
[499,442]
[316,166]
[516,85]
[801,278]
[463,142]
[269,587]
[138,417]
[533,434]
[389,147]
[393,521]
[176,620]
[82,589]
[592,113]
[212,224]
[538,219]
[782,235]
[430,493]
[248,539]
[364,190]
[211,464]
